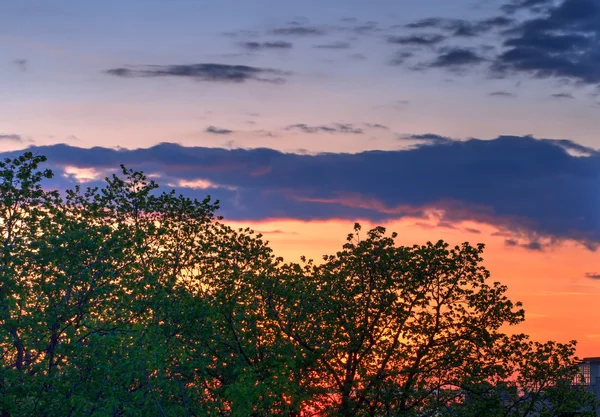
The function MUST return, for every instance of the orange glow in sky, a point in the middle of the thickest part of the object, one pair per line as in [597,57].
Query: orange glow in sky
[560,302]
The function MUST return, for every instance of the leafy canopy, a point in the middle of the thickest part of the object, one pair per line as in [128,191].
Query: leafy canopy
[127,301]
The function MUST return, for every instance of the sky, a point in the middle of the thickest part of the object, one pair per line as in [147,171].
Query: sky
[463,120]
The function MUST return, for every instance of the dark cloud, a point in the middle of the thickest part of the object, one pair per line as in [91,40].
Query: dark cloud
[218,131]
[204,72]
[534,189]
[11,137]
[446,225]
[533,245]
[557,39]
[430,22]
[471,230]
[592,275]
[561,43]
[297,30]
[501,94]
[461,27]
[257,46]
[334,45]
[562,96]
[456,58]
[334,128]
[421,40]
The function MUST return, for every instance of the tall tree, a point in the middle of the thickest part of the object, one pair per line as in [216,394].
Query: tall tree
[415,331]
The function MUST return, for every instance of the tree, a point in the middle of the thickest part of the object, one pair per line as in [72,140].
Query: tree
[127,301]
[416,331]
[118,301]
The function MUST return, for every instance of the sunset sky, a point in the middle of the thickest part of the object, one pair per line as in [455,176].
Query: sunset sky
[462,120]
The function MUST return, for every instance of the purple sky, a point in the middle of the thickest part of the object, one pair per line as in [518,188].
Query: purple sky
[487,110]
[459,69]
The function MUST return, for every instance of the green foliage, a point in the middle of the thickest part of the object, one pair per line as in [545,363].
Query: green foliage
[123,301]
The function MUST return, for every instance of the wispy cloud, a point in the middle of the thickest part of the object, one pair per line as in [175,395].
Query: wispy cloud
[299,31]
[334,128]
[11,137]
[333,45]
[218,131]
[421,39]
[562,96]
[204,72]
[456,57]
[258,46]
[501,94]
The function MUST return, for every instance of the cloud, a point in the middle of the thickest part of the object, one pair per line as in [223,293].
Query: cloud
[257,46]
[461,27]
[534,189]
[217,131]
[367,27]
[592,275]
[275,232]
[334,45]
[560,43]
[455,58]
[562,96]
[204,72]
[421,40]
[84,175]
[297,30]
[427,139]
[530,5]
[429,22]
[545,39]
[245,34]
[376,126]
[21,64]
[501,94]
[11,137]
[573,147]
[533,245]
[357,57]
[334,128]
[401,57]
